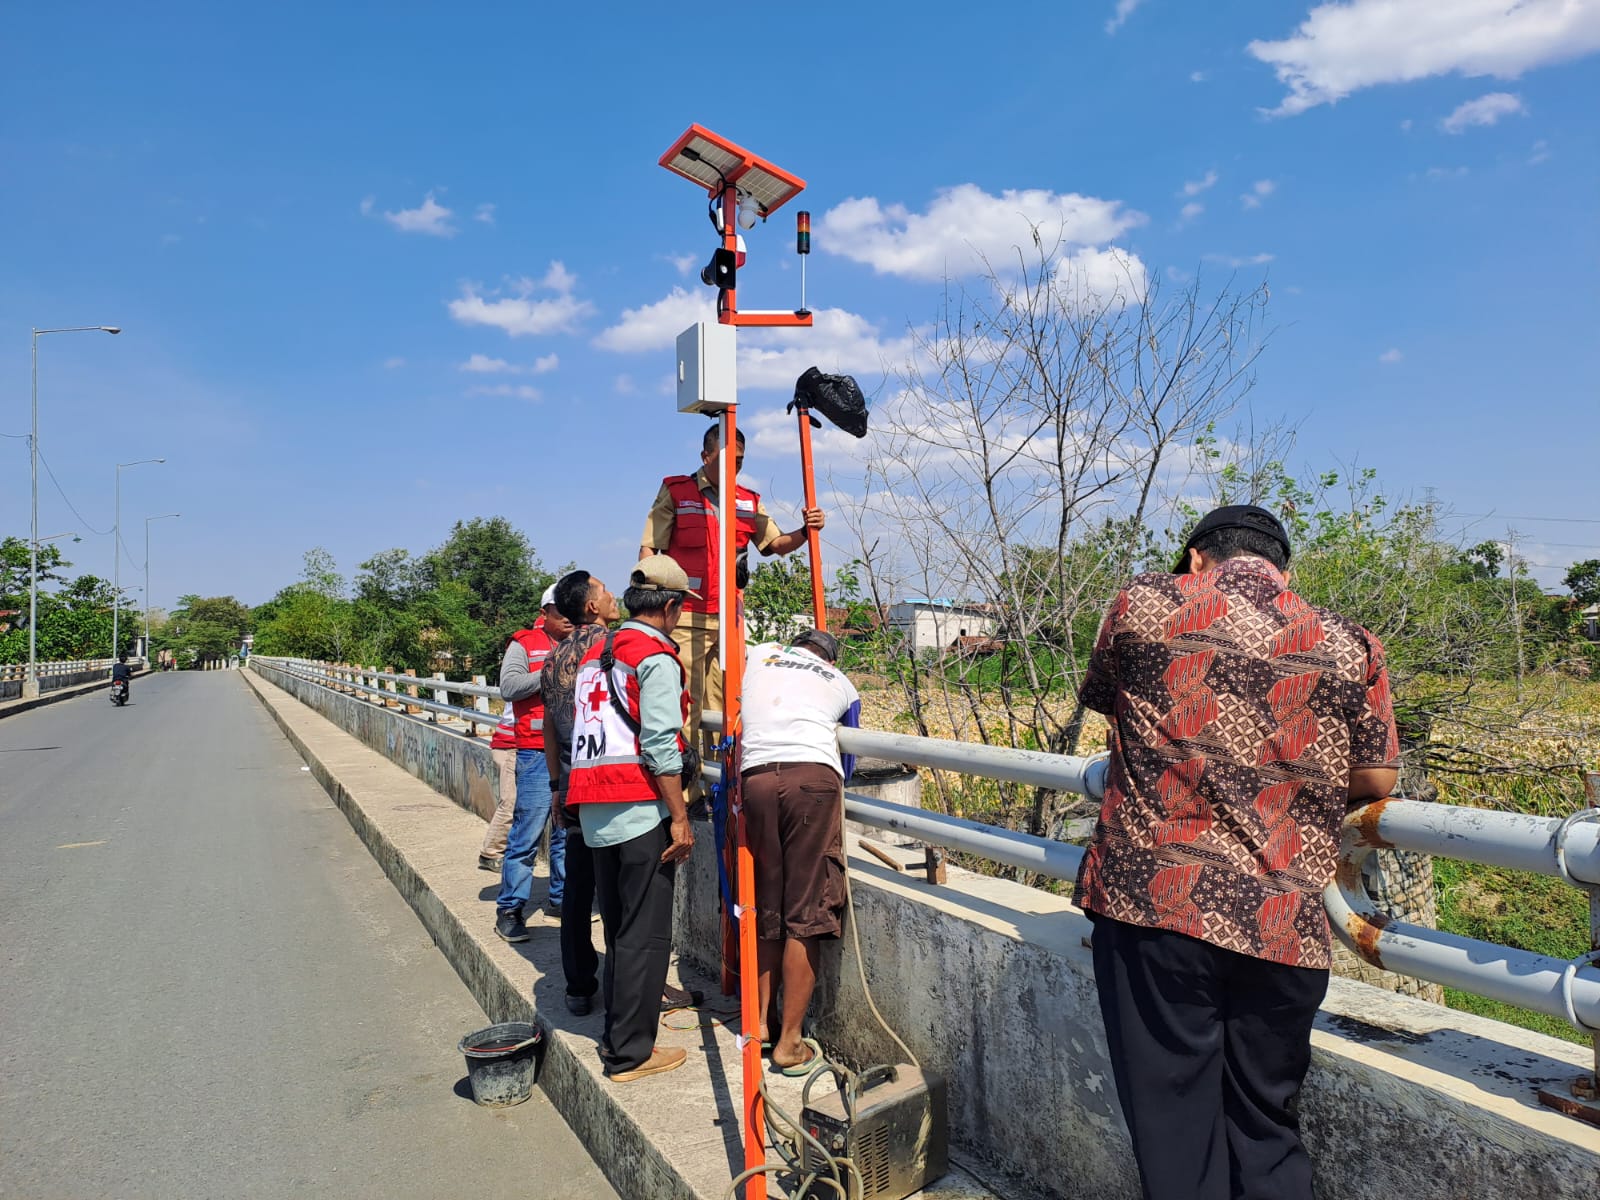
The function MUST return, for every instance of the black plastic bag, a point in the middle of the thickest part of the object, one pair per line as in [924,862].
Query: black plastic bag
[837,397]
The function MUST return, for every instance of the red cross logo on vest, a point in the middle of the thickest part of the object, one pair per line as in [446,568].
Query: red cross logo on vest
[596,697]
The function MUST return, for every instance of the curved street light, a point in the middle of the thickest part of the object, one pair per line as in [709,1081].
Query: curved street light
[30,685]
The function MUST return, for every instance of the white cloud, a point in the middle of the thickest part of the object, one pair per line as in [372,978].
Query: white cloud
[1391,355]
[1539,153]
[1485,110]
[964,227]
[1341,48]
[1190,211]
[657,326]
[1091,279]
[1197,77]
[430,217]
[482,364]
[520,314]
[366,205]
[1194,187]
[1237,261]
[1259,191]
[1123,11]
[1405,126]
[623,385]
[484,213]
[682,263]
[839,342]
[393,364]
[1446,172]
[515,391]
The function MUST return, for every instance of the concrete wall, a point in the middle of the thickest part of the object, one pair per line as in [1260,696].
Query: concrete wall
[991,984]
[455,766]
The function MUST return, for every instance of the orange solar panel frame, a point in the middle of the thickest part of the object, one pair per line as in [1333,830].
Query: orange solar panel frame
[732,163]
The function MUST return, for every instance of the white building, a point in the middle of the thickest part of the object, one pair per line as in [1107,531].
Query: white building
[934,624]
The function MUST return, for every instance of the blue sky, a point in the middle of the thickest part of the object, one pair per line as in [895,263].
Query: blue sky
[310,218]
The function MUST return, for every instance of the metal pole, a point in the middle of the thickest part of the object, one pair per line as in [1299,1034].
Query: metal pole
[147,600]
[730,650]
[116,565]
[30,686]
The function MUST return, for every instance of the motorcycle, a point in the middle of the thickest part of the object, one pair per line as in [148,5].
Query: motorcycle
[119,692]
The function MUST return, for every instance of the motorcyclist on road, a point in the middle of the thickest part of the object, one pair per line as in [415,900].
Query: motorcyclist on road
[122,673]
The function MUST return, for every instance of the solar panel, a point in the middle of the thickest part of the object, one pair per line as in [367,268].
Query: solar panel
[713,162]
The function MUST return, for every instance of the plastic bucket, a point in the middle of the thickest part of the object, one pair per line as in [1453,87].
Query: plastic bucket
[502,1063]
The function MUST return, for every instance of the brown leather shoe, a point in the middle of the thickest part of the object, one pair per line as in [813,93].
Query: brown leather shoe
[661,1061]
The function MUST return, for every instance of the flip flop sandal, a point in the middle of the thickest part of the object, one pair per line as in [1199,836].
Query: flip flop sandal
[807,1066]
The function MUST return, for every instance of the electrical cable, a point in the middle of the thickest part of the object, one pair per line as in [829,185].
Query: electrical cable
[69,503]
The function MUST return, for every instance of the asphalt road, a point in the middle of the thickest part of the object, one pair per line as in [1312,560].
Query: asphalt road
[209,989]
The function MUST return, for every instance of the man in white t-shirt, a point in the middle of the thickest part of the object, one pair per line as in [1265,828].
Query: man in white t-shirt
[793,782]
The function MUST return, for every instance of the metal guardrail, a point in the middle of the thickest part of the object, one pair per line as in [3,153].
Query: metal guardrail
[1568,849]
[352,678]
[14,671]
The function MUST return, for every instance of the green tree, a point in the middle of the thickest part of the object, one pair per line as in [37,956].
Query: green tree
[1583,581]
[503,578]
[206,629]
[778,593]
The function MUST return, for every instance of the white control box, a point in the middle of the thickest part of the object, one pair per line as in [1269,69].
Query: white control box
[707,368]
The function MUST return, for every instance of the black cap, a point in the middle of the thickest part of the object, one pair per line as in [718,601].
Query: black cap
[1233,516]
[820,640]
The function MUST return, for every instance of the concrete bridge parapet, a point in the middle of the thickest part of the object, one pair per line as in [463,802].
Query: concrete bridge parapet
[992,984]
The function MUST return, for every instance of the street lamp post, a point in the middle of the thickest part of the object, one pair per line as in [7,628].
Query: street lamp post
[30,685]
[147,600]
[116,550]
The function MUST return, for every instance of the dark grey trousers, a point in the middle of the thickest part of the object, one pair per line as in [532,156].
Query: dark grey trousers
[634,889]
[1208,1049]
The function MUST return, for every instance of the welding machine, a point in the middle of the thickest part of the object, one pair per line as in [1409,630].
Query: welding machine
[890,1122]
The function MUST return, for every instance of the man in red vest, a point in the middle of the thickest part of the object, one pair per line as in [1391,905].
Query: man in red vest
[519,684]
[683,523]
[503,750]
[625,783]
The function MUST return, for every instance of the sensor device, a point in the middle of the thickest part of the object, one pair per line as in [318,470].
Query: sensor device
[891,1122]
[707,368]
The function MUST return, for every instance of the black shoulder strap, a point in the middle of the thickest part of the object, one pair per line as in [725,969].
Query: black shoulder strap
[608,659]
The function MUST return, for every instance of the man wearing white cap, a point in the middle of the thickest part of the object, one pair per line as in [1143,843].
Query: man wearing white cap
[519,685]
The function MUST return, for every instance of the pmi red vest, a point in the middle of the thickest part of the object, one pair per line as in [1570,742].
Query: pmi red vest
[697,540]
[607,762]
[529,711]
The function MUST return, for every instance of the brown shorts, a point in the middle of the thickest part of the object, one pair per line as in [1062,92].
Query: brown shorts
[792,817]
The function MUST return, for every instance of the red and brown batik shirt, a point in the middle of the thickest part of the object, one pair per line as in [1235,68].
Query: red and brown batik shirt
[1237,712]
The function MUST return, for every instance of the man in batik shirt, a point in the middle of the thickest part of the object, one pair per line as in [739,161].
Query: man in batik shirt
[1243,723]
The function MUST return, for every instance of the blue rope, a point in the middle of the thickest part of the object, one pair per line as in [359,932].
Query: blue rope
[721,794]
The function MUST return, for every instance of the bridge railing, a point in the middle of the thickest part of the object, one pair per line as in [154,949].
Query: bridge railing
[11,672]
[1566,848]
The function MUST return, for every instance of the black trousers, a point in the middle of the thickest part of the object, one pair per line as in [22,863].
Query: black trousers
[579,962]
[1209,1049]
[635,891]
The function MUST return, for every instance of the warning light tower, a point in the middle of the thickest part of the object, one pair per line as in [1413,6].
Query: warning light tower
[742,188]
